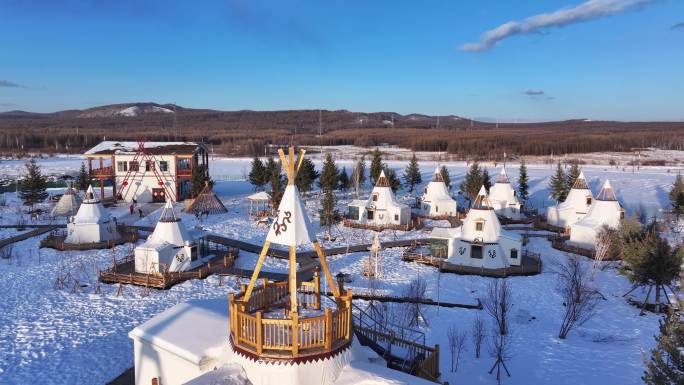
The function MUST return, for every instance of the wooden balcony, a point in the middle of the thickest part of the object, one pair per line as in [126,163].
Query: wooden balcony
[184,172]
[264,327]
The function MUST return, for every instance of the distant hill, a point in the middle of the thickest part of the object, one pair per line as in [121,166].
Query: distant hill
[246,132]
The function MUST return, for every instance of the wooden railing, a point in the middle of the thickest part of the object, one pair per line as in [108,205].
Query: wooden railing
[102,171]
[293,335]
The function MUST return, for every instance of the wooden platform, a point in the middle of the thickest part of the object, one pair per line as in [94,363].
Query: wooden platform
[124,272]
[560,243]
[530,264]
[56,239]
[378,228]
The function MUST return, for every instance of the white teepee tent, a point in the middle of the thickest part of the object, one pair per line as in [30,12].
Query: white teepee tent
[574,207]
[604,210]
[503,197]
[381,208]
[481,241]
[169,248]
[436,201]
[68,204]
[92,223]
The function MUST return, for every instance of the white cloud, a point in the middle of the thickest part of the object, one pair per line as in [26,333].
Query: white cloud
[589,10]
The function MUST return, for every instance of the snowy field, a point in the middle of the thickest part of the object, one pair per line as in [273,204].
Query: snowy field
[74,336]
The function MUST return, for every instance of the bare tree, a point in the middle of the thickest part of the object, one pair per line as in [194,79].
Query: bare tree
[500,349]
[7,251]
[579,298]
[415,292]
[478,334]
[604,240]
[457,345]
[498,303]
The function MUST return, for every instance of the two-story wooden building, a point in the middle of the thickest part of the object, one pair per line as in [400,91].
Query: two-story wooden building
[146,171]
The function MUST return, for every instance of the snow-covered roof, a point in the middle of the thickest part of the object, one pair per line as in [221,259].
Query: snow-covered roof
[109,147]
[228,374]
[502,177]
[208,319]
[68,204]
[91,210]
[259,196]
[169,230]
[607,193]
[581,182]
[357,203]
[445,232]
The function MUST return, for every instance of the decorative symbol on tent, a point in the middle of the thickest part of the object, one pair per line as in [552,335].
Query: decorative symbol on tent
[282,226]
[180,258]
[492,253]
[461,250]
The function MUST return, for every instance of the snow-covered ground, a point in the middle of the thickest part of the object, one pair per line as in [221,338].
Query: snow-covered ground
[62,337]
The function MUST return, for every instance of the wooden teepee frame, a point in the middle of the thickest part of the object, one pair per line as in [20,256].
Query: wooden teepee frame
[291,165]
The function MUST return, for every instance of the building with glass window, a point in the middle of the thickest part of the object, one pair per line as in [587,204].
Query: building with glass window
[605,211]
[575,206]
[381,208]
[146,171]
[480,241]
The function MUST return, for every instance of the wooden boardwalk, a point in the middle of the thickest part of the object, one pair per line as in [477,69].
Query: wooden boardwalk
[29,234]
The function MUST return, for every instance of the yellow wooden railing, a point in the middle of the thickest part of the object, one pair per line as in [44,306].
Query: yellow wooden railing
[293,335]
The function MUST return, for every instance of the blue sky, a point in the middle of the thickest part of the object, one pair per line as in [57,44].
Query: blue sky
[543,60]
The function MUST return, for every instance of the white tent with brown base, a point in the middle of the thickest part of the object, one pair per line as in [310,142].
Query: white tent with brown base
[92,223]
[503,197]
[436,201]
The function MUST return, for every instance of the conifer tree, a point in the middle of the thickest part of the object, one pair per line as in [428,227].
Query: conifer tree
[376,166]
[329,213]
[572,175]
[306,176]
[523,182]
[486,180]
[344,180]
[82,179]
[558,184]
[32,189]
[277,184]
[473,181]
[199,179]
[651,261]
[392,179]
[271,166]
[666,366]
[257,175]
[329,173]
[677,196]
[412,174]
[445,176]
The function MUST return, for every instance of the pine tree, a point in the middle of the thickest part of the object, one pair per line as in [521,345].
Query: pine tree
[651,260]
[200,178]
[277,184]
[412,174]
[376,166]
[271,166]
[344,180]
[329,213]
[486,180]
[257,176]
[558,184]
[523,182]
[677,196]
[83,178]
[666,366]
[572,175]
[473,181]
[329,173]
[445,176]
[32,189]
[392,179]
[306,176]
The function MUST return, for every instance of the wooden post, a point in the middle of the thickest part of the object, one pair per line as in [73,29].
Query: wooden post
[293,279]
[328,329]
[231,311]
[255,274]
[326,271]
[317,289]
[267,297]
[295,334]
[348,303]
[259,334]
[436,362]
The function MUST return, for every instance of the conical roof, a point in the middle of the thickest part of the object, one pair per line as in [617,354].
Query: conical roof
[207,202]
[90,196]
[581,182]
[168,213]
[169,229]
[438,177]
[382,180]
[482,200]
[68,204]
[91,210]
[607,193]
[502,177]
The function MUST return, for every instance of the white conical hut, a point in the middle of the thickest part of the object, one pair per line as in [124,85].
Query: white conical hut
[574,207]
[503,197]
[68,204]
[381,208]
[480,241]
[605,210]
[92,223]
[436,201]
[170,248]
